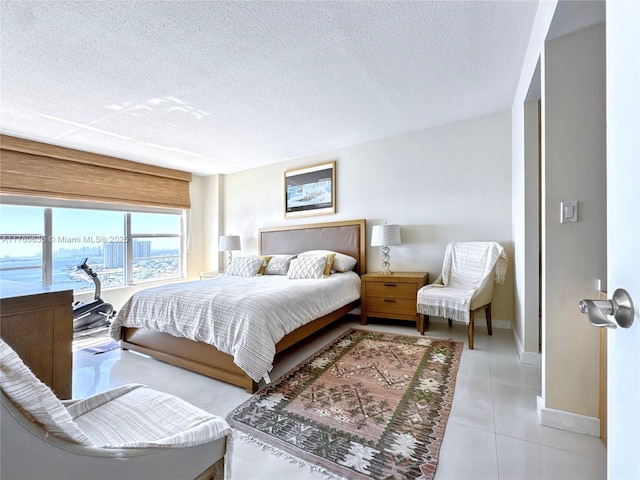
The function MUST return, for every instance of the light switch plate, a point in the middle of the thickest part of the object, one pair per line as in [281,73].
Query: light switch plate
[569,211]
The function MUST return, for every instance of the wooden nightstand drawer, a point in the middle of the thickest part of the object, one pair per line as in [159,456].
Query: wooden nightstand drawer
[394,306]
[391,296]
[392,289]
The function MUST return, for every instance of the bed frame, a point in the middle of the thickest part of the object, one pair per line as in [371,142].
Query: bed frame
[346,237]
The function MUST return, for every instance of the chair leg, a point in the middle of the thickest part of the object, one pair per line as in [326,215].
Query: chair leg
[470,330]
[423,323]
[487,313]
[450,321]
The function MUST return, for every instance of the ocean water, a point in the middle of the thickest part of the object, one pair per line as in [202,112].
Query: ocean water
[64,272]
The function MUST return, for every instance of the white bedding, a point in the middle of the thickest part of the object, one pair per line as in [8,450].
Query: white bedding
[242,316]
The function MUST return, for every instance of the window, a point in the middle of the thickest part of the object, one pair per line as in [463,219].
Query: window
[78,234]
[22,243]
[155,246]
[46,245]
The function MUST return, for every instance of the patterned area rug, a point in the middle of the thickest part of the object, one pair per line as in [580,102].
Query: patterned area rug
[368,405]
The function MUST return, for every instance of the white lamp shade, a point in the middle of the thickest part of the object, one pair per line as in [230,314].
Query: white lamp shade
[385,235]
[229,242]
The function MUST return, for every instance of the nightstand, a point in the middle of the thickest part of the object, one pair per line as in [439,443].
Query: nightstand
[391,296]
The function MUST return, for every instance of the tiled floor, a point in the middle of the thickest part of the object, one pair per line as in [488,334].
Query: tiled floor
[492,432]
[90,338]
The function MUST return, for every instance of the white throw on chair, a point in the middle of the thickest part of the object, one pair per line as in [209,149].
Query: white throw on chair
[465,284]
[129,432]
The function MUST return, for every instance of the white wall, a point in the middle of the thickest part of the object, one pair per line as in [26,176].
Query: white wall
[212,222]
[449,183]
[526,236]
[531,328]
[196,228]
[524,199]
[574,254]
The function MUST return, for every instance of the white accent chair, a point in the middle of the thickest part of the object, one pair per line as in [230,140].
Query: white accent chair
[465,285]
[130,432]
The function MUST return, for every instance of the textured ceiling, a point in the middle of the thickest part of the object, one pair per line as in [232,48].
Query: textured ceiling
[218,87]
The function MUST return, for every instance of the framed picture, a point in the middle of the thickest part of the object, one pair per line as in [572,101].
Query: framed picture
[310,190]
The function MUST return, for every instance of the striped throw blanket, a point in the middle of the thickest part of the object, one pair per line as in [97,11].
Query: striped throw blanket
[129,416]
[466,265]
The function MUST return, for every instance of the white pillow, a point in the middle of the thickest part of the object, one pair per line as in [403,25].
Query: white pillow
[341,262]
[245,266]
[279,264]
[307,267]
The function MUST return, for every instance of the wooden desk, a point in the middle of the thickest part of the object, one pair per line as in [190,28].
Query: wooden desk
[38,324]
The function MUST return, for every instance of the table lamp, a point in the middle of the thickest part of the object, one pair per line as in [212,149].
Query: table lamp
[383,236]
[228,243]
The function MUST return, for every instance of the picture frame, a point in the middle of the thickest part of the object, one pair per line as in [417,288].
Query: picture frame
[310,190]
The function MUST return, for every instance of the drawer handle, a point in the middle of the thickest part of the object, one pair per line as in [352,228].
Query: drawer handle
[390,285]
[390,300]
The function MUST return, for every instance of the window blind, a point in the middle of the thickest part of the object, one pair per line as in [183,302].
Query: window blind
[43,170]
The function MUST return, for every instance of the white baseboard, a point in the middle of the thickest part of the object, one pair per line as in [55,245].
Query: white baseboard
[531,358]
[571,422]
[517,341]
[479,322]
[526,358]
[497,323]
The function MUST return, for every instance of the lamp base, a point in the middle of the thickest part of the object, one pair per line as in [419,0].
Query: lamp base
[229,258]
[386,265]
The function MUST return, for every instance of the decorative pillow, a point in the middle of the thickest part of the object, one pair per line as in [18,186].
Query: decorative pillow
[330,257]
[266,259]
[245,266]
[307,267]
[279,264]
[35,399]
[341,262]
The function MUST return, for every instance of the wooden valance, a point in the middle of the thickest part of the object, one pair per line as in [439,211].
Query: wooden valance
[43,170]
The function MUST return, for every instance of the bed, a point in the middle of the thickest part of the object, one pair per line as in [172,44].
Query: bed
[346,237]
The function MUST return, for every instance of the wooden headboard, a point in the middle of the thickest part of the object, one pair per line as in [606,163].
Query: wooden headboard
[348,237]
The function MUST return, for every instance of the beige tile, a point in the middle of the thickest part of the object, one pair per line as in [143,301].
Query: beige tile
[473,403]
[516,375]
[518,459]
[467,453]
[515,412]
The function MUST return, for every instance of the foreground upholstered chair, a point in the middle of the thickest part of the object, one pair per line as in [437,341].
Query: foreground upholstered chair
[130,432]
[465,285]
